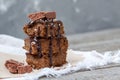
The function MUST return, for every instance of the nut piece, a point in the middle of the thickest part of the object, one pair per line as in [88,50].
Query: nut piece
[41,15]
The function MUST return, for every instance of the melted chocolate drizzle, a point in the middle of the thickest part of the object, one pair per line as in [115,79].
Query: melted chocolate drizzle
[30,49]
[46,25]
[38,44]
[58,37]
[50,51]
[50,45]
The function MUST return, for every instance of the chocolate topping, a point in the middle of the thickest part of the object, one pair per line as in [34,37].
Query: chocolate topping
[38,43]
[46,25]
[50,45]
[58,42]
[30,51]
[39,48]
[50,51]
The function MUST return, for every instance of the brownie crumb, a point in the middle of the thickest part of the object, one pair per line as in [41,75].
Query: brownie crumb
[16,67]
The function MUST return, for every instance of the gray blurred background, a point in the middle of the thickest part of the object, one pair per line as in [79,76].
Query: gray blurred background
[78,16]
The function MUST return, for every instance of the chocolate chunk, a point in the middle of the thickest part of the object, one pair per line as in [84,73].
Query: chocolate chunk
[42,15]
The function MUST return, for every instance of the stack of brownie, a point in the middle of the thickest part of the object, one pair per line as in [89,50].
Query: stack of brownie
[46,44]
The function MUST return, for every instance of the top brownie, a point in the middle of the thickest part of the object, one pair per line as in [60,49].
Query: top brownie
[43,24]
[41,15]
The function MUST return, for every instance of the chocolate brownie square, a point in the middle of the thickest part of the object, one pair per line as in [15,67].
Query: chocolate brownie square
[40,28]
[37,62]
[41,15]
[58,45]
